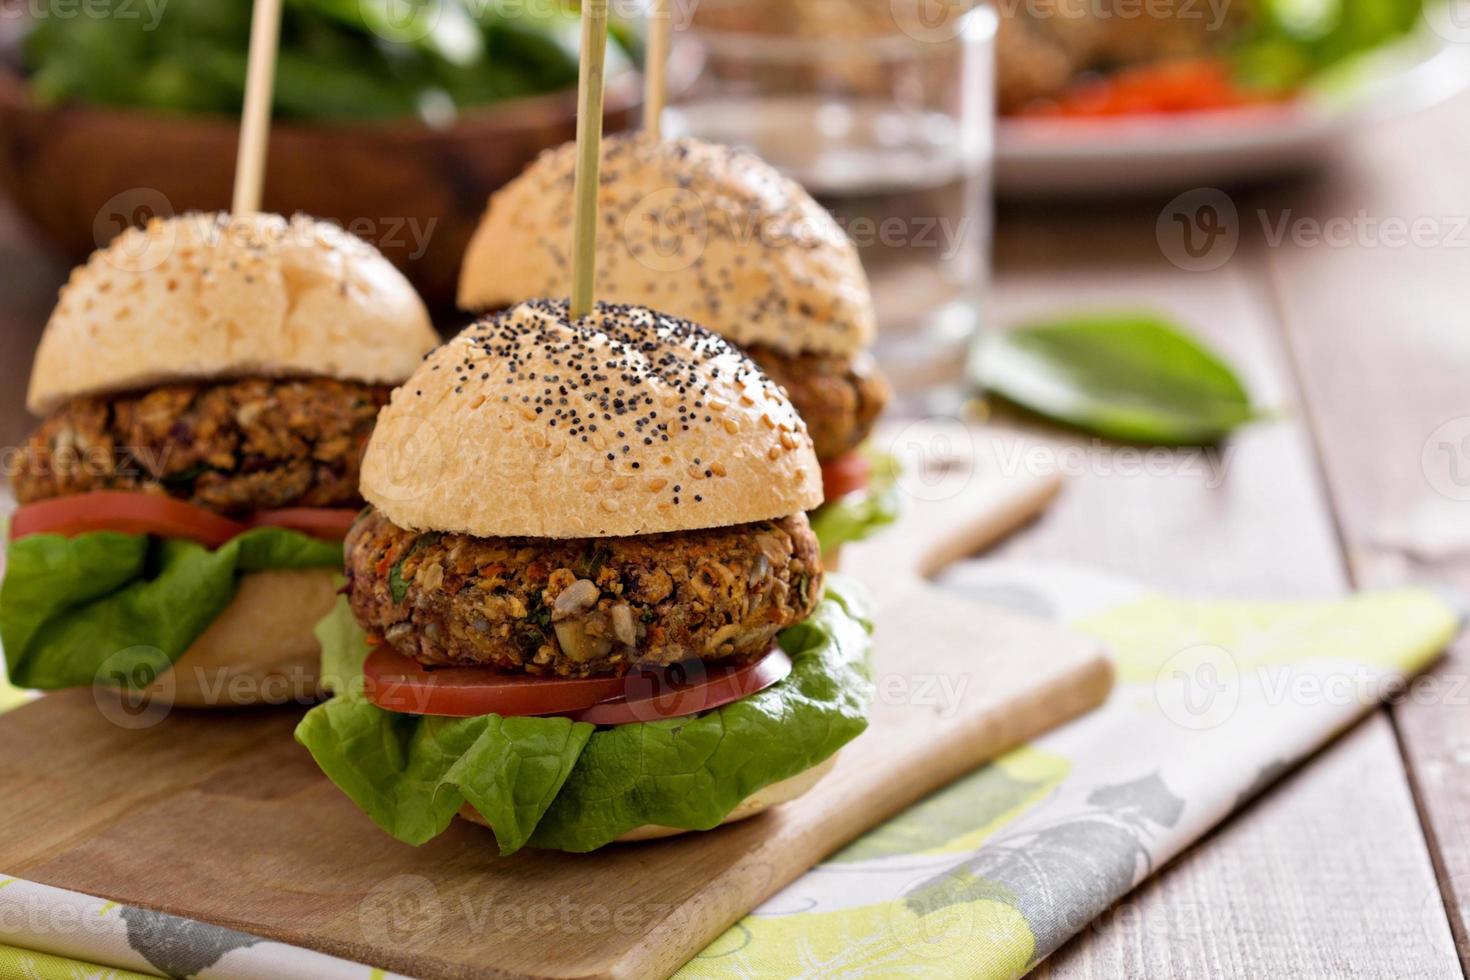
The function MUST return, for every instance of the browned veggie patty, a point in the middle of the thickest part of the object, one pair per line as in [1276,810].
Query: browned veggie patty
[232,447]
[582,606]
[839,398]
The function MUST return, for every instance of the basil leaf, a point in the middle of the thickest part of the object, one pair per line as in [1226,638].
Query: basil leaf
[397,587]
[1134,377]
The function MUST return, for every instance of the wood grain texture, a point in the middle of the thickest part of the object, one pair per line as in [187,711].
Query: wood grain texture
[228,820]
[1379,332]
[1253,523]
[1215,913]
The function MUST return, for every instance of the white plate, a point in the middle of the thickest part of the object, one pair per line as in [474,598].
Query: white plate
[1080,157]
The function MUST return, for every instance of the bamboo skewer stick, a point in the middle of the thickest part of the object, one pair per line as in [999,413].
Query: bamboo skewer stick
[655,65]
[589,155]
[255,121]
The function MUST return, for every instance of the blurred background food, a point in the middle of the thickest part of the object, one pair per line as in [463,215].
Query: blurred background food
[395,119]
[339,59]
[1111,57]
[398,118]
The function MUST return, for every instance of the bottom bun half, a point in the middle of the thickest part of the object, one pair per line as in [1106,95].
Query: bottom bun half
[261,649]
[758,802]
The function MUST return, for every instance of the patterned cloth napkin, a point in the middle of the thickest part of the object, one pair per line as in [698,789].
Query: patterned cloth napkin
[1214,701]
[54,934]
[987,877]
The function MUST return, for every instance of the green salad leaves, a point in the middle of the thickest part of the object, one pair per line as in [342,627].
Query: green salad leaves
[127,603]
[339,59]
[1291,43]
[555,783]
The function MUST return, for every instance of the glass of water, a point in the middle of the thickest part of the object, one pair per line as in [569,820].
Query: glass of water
[884,111]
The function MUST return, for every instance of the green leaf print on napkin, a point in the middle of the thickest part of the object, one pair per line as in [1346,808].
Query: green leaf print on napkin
[1067,873]
[962,814]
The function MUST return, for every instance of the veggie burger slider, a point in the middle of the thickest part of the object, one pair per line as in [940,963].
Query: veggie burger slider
[208,384]
[717,236]
[590,604]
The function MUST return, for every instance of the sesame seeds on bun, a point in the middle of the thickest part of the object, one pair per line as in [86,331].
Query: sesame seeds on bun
[701,231]
[206,296]
[624,422]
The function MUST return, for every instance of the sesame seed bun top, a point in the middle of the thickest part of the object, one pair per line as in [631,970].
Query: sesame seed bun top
[701,231]
[624,422]
[206,296]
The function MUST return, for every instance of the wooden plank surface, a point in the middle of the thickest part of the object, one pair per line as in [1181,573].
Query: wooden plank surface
[1380,329]
[1254,523]
[1278,893]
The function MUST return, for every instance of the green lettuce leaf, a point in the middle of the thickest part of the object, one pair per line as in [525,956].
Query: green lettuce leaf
[860,515]
[343,649]
[128,605]
[555,783]
[411,774]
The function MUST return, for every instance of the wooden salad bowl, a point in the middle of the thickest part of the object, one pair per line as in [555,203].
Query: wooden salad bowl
[81,173]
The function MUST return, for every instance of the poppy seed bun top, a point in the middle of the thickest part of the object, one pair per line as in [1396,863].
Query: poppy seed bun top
[205,296]
[624,422]
[700,231]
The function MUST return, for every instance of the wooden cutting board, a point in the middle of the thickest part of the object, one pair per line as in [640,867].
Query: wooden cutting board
[223,818]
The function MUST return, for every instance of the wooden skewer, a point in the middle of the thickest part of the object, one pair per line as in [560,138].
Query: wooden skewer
[255,122]
[589,155]
[655,64]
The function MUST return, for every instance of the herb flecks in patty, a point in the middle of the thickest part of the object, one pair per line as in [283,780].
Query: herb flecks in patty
[582,606]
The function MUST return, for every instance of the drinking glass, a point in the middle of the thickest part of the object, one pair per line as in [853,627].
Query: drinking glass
[884,111]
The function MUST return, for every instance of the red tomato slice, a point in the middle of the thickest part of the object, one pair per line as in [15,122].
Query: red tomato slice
[687,689]
[124,511]
[397,683]
[845,474]
[329,523]
[1196,85]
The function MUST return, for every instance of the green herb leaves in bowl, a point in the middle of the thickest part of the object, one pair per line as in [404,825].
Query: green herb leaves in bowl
[1133,377]
[339,59]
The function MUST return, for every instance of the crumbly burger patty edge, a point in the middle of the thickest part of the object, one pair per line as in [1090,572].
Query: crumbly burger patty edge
[579,607]
[232,447]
